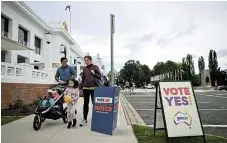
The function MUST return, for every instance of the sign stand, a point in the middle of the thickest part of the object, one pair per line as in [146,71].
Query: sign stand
[158,98]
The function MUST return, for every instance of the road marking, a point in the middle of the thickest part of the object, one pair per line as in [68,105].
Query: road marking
[213,126]
[199,109]
[212,96]
[221,94]
[140,102]
[154,102]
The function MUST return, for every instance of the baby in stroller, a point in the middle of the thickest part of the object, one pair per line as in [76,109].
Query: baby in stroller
[50,97]
[51,106]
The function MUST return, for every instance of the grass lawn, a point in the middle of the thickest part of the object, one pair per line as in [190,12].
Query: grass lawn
[146,135]
[8,119]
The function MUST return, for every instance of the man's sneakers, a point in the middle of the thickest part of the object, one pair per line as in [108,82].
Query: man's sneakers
[83,123]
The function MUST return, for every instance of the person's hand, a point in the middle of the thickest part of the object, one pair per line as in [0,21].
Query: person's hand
[61,82]
[92,71]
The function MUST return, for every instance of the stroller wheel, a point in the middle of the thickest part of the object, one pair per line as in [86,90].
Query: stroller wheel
[64,117]
[43,119]
[37,123]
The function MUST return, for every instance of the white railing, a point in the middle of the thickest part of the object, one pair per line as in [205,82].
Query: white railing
[4,34]
[23,43]
[24,73]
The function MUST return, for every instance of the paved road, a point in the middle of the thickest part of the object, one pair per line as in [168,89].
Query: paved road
[212,106]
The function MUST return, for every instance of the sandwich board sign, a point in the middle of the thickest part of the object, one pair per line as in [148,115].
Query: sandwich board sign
[179,109]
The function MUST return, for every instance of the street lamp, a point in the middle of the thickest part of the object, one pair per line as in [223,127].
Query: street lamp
[78,60]
[63,49]
[48,37]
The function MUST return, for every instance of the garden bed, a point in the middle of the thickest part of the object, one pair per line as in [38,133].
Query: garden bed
[8,119]
[146,135]
[19,111]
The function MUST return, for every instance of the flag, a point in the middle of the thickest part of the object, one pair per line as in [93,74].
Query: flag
[68,7]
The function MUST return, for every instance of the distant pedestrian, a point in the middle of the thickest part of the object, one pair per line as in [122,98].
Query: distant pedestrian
[79,79]
[131,87]
[127,85]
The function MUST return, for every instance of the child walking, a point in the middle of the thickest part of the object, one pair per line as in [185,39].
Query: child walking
[71,94]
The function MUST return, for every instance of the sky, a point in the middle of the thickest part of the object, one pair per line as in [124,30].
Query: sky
[148,31]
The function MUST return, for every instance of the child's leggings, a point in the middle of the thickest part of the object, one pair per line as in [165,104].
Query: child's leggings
[71,108]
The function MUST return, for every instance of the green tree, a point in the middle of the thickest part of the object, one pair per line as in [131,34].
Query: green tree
[166,68]
[136,72]
[201,64]
[213,66]
[188,68]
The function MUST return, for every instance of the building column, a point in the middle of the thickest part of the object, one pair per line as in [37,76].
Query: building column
[47,55]
[77,69]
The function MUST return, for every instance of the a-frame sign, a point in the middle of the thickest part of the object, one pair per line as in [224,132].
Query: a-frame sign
[179,108]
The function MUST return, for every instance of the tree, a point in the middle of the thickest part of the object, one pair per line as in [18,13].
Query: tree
[201,65]
[189,69]
[166,68]
[190,66]
[213,66]
[135,72]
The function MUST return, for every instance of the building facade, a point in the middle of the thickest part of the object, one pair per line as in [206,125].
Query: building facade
[31,49]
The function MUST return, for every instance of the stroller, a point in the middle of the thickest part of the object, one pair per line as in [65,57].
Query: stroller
[52,112]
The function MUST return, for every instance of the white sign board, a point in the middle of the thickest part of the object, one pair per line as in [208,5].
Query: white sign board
[179,105]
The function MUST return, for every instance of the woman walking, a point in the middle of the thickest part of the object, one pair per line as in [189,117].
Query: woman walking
[90,74]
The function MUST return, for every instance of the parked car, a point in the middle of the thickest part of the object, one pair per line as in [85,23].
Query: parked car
[149,86]
[223,88]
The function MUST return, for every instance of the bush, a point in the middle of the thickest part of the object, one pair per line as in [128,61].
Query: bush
[11,106]
[37,101]
[19,103]
[25,109]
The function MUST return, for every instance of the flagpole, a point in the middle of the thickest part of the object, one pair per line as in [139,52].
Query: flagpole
[70,19]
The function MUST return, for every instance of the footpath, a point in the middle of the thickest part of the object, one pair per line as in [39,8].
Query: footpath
[21,131]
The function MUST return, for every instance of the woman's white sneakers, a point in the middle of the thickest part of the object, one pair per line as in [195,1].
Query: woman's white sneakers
[83,123]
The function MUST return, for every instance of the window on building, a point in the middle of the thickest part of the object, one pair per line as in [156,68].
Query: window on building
[37,45]
[4,26]
[23,36]
[74,61]
[3,56]
[20,59]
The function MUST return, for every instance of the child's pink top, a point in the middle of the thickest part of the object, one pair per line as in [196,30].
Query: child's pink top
[74,92]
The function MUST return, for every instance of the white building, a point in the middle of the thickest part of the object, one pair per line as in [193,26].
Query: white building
[30,48]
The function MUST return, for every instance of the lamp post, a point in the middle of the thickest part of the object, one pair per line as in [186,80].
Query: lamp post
[48,52]
[112,30]
[48,37]
[63,49]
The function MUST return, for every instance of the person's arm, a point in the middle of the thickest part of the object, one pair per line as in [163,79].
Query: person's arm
[97,72]
[77,96]
[57,75]
[66,91]
[83,77]
[73,72]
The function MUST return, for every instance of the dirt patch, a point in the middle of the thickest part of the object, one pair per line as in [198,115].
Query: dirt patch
[21,111]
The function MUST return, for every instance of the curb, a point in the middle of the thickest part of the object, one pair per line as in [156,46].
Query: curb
[215,136]
[132,117]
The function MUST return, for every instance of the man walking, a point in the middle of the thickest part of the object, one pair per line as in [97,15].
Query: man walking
[65,72]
